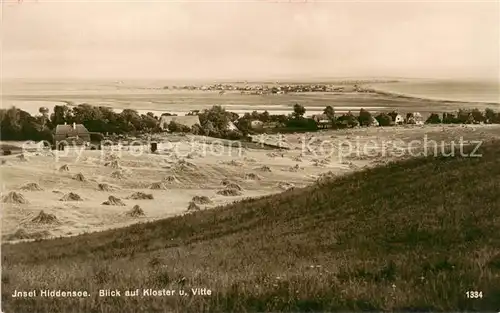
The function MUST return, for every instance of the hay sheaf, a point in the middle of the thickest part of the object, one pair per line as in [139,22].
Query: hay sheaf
[201,200]
[71,197]
[31,187]
[157,186]
[118,175]
[79,177]
[105,187]
[14,197]
[170,179]
[265,168]
[45,218]
[193,207]
[229,192]
[64,168]
[112,200]
[113,164]
[285,185]
[21,234]
[136,212]
[234,186]
[22,157]
[141,196]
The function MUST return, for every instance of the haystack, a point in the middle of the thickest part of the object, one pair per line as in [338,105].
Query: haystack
[79,177]
[31,187]
[64,168]
[233,163]
[158,186]
[250,160]
[136,211]
[4,162]
[170,179]
[265,168]
[113,164]
[45,218]
[234,186]
[201,200]
[297,159]
[112,200]
[141,196]
[225,182]
[295,168]
[252,176]
[229,192]
[117,175]
[193,207]
[111,157]
[14,197]
[71,197]
[22,157]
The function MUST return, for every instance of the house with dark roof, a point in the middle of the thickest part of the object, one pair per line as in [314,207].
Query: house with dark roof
[72,135]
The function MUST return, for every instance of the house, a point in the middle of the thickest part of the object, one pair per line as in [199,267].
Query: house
[374,122]
[415,118]
[188,120]
[74,135]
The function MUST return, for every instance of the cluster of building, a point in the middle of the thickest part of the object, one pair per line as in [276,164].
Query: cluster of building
[274,88]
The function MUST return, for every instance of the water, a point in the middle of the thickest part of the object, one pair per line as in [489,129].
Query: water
[469,91]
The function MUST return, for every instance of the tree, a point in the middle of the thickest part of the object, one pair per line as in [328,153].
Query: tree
[478,116]
[383,119]
[217,115]
[433,119]
[347,120]
[449,118]
[298,111]
[364,118]
[330,112]
[490,115]
[61,115]
[393,115]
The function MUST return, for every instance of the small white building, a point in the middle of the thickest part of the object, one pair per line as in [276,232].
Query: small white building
[256,124]
[399,120]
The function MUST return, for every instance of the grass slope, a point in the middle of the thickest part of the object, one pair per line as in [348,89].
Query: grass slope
[413,235]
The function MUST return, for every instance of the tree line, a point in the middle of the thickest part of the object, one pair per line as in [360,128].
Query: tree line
[16,124]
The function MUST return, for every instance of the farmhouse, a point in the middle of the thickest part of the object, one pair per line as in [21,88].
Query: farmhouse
[74,135]
[188,120]
[398,119]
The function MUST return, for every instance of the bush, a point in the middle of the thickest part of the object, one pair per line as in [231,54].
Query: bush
[302,123]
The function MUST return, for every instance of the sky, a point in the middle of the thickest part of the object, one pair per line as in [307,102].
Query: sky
[249,39]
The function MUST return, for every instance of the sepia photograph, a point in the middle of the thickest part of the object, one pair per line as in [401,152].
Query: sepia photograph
[250,156]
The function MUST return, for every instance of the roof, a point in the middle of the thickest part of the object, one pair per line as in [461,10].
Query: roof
[188,120]
[64,131]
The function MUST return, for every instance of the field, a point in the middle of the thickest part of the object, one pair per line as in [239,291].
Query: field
[186,167]
[413,235]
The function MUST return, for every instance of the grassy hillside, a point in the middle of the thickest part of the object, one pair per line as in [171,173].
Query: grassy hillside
[413,235]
